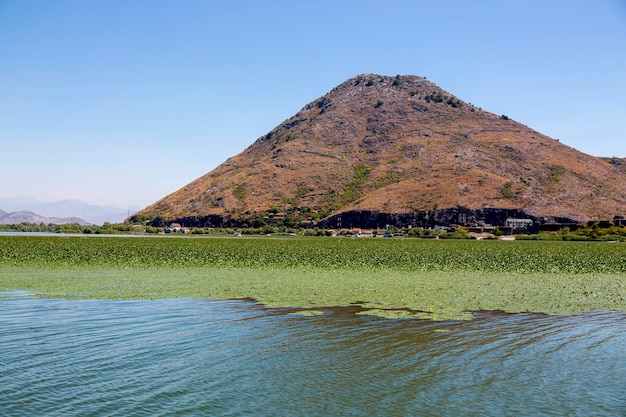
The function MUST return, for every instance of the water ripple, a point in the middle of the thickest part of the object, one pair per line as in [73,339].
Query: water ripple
[235,358]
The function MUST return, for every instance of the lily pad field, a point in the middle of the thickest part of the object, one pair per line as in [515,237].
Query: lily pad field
[398,277]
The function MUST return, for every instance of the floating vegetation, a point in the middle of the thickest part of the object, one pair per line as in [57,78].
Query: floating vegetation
[394,314]
[308,253]
[443,315]
[307,313]
[440,280]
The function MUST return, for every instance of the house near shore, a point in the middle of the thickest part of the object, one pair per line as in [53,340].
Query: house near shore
[355,232]
[176,227]
[517,224]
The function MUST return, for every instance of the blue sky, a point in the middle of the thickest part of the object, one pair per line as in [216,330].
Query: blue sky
[123,102]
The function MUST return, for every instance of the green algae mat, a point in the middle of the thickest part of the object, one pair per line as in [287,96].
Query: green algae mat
[386,277]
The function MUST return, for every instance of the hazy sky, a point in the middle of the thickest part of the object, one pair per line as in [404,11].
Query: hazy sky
[123,102]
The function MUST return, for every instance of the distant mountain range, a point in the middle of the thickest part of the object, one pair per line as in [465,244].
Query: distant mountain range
[378,146]
[18,217]
[60,212]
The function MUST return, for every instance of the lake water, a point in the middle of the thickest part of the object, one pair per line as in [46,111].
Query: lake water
[235,358]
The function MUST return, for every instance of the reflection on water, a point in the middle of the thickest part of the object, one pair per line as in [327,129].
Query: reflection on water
[235,358]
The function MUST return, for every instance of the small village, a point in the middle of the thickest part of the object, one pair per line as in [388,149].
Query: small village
[513,228]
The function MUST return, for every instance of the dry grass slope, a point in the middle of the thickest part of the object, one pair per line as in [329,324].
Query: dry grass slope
[396,145]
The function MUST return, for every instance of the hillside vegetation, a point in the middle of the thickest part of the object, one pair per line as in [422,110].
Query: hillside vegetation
[398,145]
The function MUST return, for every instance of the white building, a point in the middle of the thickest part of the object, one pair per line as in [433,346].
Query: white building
[518,223]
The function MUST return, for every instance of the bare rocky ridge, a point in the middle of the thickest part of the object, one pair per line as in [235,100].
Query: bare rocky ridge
[378,147]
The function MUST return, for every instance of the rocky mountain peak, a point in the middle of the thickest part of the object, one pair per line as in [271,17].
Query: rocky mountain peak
[398,145]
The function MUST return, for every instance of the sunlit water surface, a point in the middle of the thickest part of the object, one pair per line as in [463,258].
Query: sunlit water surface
[235,358]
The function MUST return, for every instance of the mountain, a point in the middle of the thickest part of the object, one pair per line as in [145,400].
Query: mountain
[93,214]
[378,149]
[18,217]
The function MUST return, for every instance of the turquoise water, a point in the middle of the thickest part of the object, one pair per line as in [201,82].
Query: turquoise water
[235,358]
